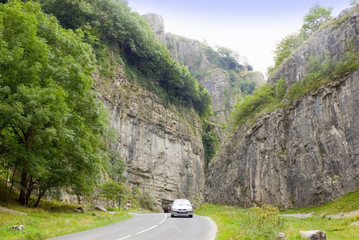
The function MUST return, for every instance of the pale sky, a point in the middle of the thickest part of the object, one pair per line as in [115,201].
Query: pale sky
[250,27]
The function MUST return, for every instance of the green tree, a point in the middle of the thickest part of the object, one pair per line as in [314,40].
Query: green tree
[314,19]
[286,47]
[112,191]
[51,126]
[117,166]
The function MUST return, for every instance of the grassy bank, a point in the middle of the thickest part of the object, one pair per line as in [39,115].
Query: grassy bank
[336,229]
[263,223]
[238,223]
[40,223]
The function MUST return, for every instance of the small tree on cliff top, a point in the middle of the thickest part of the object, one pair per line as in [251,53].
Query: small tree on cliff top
[314,19]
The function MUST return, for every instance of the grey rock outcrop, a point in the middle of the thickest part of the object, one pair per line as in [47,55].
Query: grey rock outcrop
[163,153]
[218,85]
[157,25]
[281,236]
[191,53]
[314,235]
[302,155]
[331,41]
[17,227]
[100,208]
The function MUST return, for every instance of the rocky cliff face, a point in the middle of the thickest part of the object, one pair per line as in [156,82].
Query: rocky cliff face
[331,41]
[197,57]
[164,155]
[302,155]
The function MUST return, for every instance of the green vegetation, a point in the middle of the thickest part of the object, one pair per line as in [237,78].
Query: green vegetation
[266,98]
[210,142]
[112,191]
[50,218]
[336,229]
[243,81]
[46,223]
[324,70]
[316,17]
[256,223]
[265,222]
[347,203]
[112,28]
[51,126]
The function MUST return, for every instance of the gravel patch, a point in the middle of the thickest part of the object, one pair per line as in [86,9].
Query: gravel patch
[299,215]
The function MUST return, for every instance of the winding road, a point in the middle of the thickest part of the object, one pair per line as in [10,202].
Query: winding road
[151,226]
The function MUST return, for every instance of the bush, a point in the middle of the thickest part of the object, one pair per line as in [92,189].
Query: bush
[262,223]
[146,201]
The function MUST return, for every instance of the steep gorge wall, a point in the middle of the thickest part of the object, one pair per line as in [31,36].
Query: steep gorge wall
[163,154]
[305,154]
[195,55]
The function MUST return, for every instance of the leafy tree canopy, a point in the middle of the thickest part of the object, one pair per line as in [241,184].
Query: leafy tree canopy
[315,18]
[50,123]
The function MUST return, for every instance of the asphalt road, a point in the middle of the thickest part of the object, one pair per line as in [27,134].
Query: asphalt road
[151,226]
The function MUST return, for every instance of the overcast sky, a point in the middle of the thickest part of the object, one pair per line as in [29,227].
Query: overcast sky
[250,27]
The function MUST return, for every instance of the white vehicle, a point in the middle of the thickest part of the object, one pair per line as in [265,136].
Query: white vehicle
[181,207]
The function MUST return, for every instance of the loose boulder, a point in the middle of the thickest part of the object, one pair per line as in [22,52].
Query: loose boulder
[281,236]
[314,235]
[17,227]
[81,209]
[100,208]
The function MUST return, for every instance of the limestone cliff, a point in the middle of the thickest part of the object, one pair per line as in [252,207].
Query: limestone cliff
[163,153]
[304,154]
[331,41]
[202,60]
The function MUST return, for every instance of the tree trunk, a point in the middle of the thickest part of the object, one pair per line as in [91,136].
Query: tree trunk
[7,175]
[12,182]
[23,187]
[39,197]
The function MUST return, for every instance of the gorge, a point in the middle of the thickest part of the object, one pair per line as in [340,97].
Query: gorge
[302,155]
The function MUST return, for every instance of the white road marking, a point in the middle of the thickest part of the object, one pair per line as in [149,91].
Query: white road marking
[163,219]
[125,237]
[148,229]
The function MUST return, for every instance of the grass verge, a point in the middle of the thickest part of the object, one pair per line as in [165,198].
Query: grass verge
[257,223]
[42,224]
[263,223]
